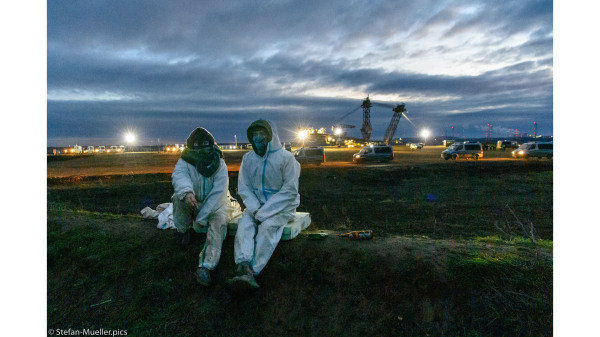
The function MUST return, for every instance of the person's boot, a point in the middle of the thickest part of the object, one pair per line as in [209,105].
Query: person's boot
[203,276]
[244,278]
[186,237]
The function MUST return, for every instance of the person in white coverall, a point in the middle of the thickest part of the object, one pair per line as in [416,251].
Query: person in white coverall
[201,188]
[268,185]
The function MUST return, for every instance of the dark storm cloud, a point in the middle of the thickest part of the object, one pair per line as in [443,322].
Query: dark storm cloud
[161,67]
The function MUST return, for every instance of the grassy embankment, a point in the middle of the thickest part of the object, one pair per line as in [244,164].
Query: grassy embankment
[464,264]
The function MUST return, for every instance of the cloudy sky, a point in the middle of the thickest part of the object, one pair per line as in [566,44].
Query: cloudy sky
[162,68]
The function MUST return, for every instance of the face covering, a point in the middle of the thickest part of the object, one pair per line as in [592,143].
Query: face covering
[260,142]
[206,162]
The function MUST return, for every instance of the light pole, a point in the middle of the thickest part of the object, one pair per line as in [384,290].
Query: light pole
[129,138]
[425,134]
[338,133]
[302,135]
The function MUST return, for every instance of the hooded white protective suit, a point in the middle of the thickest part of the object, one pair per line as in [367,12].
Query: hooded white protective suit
[269,185]
[213,207]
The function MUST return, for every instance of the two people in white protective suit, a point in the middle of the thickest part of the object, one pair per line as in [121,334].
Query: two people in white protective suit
[268,185]
[202,194]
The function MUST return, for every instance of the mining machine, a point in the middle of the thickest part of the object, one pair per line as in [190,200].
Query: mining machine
[366,127]
[391,130]
[340,133]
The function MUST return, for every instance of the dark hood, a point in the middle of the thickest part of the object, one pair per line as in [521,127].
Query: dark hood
[206,163]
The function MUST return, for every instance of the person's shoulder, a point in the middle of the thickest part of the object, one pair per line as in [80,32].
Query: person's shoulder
[182,162]
[285,155]
[248,155]
[223,165]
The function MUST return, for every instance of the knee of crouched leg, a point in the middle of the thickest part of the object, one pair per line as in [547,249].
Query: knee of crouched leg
[271,224]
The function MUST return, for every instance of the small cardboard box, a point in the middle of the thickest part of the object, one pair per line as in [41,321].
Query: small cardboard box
[290,231]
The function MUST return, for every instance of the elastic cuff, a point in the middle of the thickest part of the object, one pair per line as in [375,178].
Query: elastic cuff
[183,194]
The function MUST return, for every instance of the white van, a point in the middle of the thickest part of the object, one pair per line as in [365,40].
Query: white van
[77,149]
[534,149]
[90,149]
[101,149]
[310,155]
[463,150]
[382,153]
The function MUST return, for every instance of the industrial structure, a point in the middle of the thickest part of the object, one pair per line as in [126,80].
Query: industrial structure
[339,135]
[339,132]
[391,130]
[366,127]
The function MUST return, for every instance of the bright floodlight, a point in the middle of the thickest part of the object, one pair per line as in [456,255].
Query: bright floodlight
[302,134]
[129,138]
[425,133]
[338,131]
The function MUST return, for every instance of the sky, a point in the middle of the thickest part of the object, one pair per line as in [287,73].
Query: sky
[159,69]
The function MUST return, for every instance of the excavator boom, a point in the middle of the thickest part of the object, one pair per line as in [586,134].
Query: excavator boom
[391,130]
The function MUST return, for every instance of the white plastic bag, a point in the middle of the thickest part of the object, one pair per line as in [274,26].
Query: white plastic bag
[165,218]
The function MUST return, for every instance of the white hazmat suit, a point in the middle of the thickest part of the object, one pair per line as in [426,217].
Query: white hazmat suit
[268,185]
[213,207]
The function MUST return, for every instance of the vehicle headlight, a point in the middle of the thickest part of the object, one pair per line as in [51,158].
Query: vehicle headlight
[521,152]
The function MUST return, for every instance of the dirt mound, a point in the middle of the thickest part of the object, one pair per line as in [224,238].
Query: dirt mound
[388,285]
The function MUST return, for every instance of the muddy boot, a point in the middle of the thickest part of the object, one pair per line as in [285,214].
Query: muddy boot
[186,237]
[203,276]
[244,279]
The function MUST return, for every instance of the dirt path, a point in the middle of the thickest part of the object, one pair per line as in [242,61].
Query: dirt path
[152,162]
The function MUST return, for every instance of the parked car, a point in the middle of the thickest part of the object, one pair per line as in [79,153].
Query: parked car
[534,149]
[463,150]
[90,149]
[310,155]
[506,144]
[77,149]
[416,146]
[101,149]
[382,153]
